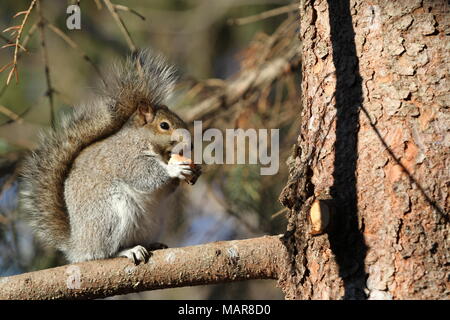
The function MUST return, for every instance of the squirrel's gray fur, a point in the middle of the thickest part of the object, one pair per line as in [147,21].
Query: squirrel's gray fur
[89,185]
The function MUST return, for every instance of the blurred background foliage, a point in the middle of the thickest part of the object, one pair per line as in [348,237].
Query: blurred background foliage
[236,59]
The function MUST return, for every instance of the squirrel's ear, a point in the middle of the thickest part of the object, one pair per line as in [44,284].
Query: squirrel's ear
[146,113]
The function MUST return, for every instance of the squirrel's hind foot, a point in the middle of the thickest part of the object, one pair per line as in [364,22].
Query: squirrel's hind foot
[140,254]
[136,254]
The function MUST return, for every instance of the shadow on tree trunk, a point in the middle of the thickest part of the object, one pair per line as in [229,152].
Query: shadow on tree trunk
[347,242]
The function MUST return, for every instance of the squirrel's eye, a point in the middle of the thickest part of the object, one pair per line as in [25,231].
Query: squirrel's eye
[164,125]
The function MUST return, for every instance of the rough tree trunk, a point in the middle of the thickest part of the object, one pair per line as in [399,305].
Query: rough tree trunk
[373,139]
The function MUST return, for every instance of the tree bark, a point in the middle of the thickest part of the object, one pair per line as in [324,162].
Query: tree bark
[217,262]
[374,144]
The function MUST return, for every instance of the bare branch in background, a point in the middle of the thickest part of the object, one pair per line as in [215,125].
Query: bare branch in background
[278,213]
[75,46]
[50,90]
[121,24]
[212,263]
[201,17]
[250,79]
[10,114]
[264,15]
[27,38]
[125,8]
[25,41]
[18,30]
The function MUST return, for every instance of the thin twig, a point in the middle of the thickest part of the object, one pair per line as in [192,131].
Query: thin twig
[24,44]
[28,36]
[125,8]
[50,90]
[276,214]
[21,114]
[249,80]
[276,58]
[75,46]
[121,25]
[17,42]
[10,114]
[264,15]
[281,33]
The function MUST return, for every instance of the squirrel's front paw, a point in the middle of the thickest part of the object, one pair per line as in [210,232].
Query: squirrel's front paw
[137,254]
[180,170]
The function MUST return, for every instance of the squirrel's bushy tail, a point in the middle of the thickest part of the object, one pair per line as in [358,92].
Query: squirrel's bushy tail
[145,77]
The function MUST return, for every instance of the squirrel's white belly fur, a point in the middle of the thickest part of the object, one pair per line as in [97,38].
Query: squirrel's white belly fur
[141,219]
[132,217]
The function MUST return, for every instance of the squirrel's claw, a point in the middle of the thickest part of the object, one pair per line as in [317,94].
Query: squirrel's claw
[136,254]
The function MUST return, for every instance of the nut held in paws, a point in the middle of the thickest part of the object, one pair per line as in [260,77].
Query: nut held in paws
[176,158]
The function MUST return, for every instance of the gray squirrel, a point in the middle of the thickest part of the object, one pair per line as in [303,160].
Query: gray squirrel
[92,188]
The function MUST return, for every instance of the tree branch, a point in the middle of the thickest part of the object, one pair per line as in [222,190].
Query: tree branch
[10,114]
[123,28]
[277,56]
[75,46]
[264,15]
[18,30]
[240,86]
[45,60]
[218,262]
